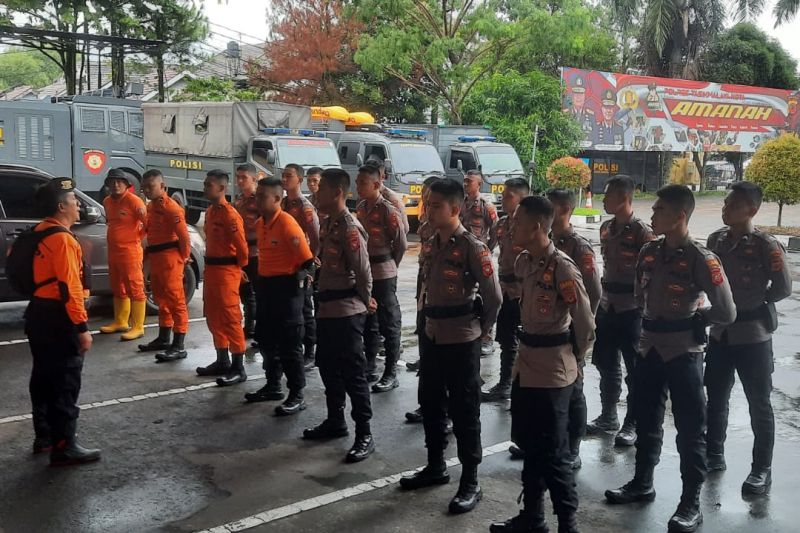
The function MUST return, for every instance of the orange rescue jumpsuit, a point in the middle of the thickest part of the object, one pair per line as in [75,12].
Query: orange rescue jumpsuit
[126,219]
[226,255]
[168,249]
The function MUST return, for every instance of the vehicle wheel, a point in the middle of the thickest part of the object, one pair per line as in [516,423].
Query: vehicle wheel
[413,224]
[189,286]
[193,216]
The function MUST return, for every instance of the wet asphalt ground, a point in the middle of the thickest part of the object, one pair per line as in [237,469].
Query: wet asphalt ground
[180,454]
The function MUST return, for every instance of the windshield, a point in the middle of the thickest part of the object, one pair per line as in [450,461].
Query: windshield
[498,162]
[308,152]
[416,159]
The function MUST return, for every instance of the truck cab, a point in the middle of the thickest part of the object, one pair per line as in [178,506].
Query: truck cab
[497,162]
[406,154]
[278,147]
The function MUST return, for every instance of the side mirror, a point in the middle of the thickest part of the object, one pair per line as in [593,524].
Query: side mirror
[90,214]
[460,165]
[271,157]
[359,160]
[387,164]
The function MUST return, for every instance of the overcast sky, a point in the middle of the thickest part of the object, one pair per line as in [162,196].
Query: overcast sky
[250,18]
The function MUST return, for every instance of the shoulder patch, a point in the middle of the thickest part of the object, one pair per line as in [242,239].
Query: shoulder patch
[776,260]
[715,270]
[587,263]
[394,222]
[352,239]
[309,214]
[568,291]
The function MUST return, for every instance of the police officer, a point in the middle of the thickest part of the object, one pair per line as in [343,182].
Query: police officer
[455,265]
[580,250]
[226,256]
[305,214]
[56,327]
[618,317]
[759,277]
[478,216]
[245,203]
[389,194]
[345,288]
[386,245]
[578,110]
[168,250]
[508,319]
[555,307]
[609,131]
[284,268]
[671,275]
[312,182]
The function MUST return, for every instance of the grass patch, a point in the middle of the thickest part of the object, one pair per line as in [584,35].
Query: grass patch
[792,231]
[585,212]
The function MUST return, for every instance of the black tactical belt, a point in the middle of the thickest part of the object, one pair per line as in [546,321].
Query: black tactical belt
[252,242]
[219,261]
[508,278]
[448,311]
[375,259]
[543,341]
[161,247]
[617,288]
[336,294]
[668,326]
[753,314]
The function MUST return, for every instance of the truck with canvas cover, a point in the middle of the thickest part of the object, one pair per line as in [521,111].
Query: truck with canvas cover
[185,140]
[80,137]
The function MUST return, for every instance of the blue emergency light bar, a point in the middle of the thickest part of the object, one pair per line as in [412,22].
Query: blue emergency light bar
[288,131]
[470,139]
[413,134]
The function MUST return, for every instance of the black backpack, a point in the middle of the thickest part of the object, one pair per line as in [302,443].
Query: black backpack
[19,263]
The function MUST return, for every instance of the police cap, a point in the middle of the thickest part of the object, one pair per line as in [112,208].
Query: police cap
[578,84]
[50,194]
[609,98]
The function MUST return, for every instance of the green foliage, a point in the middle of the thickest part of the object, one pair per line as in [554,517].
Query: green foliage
[746,55]
[776,168]
[26,67]
[215,90]
[512,104]
[569,173]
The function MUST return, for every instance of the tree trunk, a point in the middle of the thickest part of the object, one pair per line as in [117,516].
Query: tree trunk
[160,68]
[117,63]
[780,214]
[70,64]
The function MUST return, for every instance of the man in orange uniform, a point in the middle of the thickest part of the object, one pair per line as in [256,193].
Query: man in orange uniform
[284,268]
[168,250]
[126,216]
[226,255]
[246,182]
[56,326]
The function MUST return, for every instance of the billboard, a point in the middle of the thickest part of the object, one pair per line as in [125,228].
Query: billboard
[626,112]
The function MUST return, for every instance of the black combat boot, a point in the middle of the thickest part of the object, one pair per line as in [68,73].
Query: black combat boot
[330,428]
[236,373]
[639,489]
[268,393]
[388,381]
[363,446]
[175,351]
[371,371]
[469,491]
[568,523]
[502,390]
[69,452]
[159,343]
[434,473]
[415,416]
[530,520]
[606,422]
[687,517]
[412,366]
[759,480]
[42,441]
[715,462]
[219,367]
[309,357]
[516,453]
[294,404]
[626,435]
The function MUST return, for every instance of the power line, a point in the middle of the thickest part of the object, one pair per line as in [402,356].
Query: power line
[259,39]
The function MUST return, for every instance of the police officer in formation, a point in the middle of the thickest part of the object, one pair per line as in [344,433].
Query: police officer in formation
[618,317]
[671,274]
[556,313]
[759,276]
[386,245]
[455,266]
[246,205]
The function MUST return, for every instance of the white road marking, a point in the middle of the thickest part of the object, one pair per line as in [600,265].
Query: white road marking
[94,332]
[316,502]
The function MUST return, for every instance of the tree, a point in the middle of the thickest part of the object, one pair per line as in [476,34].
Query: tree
[215,90]
[775,167]
[746,55]
[512,104]
[439,49]
[569,173]
[26,67]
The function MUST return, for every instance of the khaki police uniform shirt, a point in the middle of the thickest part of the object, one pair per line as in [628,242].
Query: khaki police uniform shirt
[553,298]
[386,240]
[248,209]
[501,236]
[452,273]
[478,216]
[580,250]
[395,200]
[306,215]
[669,286]
[345,265]
[758,273]
[425,231]
[620,244]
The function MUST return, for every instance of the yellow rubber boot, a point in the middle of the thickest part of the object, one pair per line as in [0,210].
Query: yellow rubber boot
[138,311]
[122,310]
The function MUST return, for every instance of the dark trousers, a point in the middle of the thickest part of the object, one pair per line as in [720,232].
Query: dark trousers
[309,323]
[279,330]
[682,377]
[386,321]
[577,416]
[342,365]
[449,381]
[508,322]
[247,291]
[754,364]
[56,377]
[616,332]
[540,418]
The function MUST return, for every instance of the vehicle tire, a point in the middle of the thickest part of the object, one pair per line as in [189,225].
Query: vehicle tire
[193,216]
[189,286]
[413,224]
